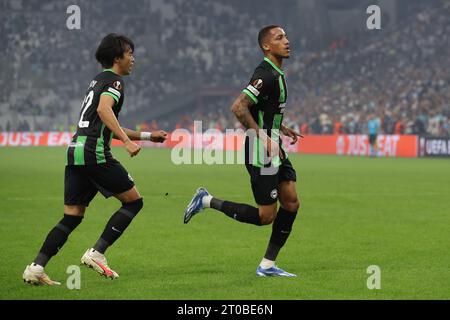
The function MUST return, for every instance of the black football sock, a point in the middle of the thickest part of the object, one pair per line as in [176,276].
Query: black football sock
[238,211]
[117,224]
[56,238]
[281,229]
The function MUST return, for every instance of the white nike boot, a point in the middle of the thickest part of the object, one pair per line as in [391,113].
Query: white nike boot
[94,259]
[34,274]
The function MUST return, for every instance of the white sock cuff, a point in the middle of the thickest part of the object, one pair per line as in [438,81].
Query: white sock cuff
[266,264]
[206,201]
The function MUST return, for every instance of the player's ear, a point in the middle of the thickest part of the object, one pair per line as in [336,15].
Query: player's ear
[117,59]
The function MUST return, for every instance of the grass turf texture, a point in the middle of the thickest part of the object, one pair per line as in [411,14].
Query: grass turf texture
[355,212]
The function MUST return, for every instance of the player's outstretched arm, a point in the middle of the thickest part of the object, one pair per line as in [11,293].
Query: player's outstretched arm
[290,133]
[155,136]
[108,117]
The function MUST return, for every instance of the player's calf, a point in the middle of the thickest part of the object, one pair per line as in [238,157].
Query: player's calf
[117,224]
[56,238]
[281,229]
[239,211]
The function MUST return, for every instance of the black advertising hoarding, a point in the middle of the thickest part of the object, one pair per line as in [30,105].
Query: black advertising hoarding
[434,147]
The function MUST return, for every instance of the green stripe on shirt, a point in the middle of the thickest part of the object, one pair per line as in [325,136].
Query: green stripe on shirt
[112,95]
[251,95]
[282,90]
[79,150]
[100,148]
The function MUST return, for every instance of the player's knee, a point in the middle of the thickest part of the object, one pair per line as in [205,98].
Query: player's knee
[292,205]
[134,206]
[267,217]
[265,220]
[295,205]
[74,210]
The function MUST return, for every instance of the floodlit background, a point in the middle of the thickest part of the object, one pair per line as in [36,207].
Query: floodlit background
[192,59]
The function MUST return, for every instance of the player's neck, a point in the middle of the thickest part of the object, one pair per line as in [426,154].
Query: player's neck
[115,69]
[278,61]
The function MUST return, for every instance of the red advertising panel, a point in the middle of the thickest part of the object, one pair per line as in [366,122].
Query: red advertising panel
[356,145]
[34,138]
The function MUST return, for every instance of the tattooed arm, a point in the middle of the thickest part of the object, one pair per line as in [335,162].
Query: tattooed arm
[240,108]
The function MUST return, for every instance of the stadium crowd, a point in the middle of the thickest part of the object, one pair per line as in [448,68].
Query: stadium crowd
[400,76]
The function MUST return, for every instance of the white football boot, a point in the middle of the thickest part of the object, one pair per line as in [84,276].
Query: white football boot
[94,259]
[34,274]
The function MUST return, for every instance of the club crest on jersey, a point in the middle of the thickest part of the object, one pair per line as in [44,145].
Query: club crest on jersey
[257,84]
[274,193]
[117,85]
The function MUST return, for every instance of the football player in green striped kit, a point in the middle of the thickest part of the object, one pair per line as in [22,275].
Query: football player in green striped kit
[90,166]
[260,108]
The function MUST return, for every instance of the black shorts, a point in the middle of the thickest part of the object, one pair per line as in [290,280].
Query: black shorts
[372,139]
[265,186]
[81,183]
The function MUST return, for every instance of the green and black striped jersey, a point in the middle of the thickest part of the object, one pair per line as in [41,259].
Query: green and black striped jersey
[92,140]
[267,88]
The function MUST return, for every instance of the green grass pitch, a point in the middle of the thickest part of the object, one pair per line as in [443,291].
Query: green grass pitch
[356,212]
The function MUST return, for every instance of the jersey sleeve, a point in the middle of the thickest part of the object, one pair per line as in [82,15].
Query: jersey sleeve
[114,88]
[261,84]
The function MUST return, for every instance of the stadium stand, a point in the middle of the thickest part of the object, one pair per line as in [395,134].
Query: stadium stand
[194,57]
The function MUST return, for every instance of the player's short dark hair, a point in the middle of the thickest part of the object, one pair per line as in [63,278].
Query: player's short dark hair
[112,46]
[263,34]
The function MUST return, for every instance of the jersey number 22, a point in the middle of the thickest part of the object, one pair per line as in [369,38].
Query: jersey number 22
[86,104]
